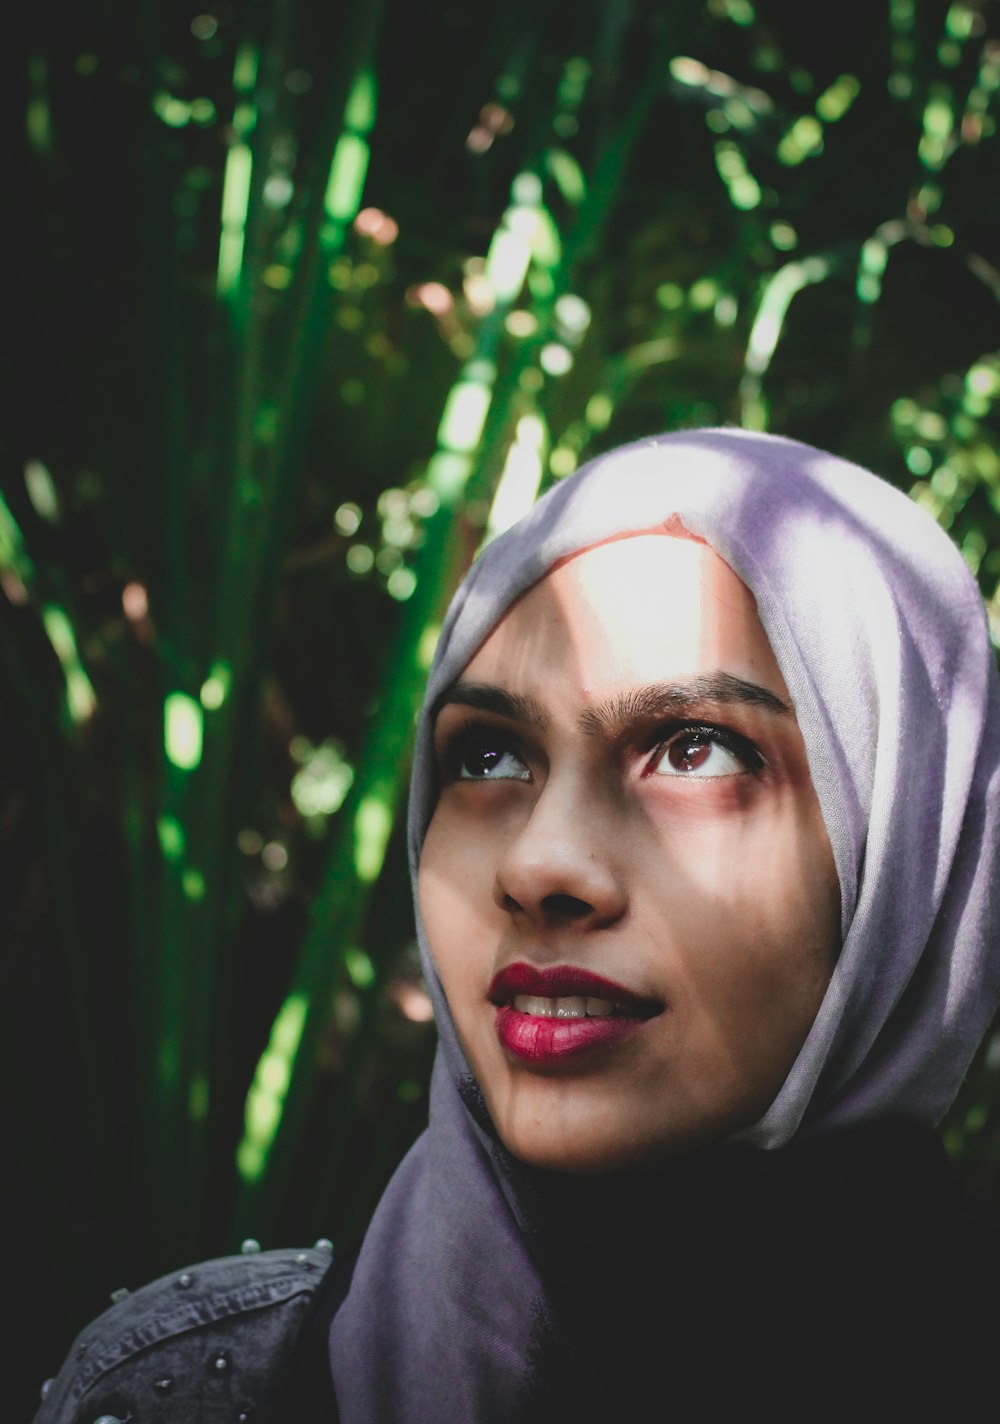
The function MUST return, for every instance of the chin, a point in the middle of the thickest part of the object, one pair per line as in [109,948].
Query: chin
[585,1150]
[556,1157]
[587,1153]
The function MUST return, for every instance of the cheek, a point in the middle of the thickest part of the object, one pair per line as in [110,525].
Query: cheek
[451,886]
[753,905]
[456,909]
[773,865]
[805,879]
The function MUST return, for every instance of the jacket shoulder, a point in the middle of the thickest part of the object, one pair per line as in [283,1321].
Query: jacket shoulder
[205,1343]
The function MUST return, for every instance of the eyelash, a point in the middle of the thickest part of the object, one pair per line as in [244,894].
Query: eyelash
[472,737]
[469,738]
[737,745]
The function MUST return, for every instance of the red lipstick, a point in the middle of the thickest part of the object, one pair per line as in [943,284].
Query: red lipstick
[596,1012]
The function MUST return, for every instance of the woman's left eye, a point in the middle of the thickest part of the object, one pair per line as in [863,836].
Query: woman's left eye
[705,752]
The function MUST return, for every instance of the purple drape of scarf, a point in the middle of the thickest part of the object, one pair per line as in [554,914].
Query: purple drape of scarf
[880,633]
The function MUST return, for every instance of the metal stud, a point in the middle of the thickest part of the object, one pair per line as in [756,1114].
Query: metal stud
[108,1419]
[324,1244]
[249,1247]
[119,1294]
[162,1386]
[47,1386]
[221,1361]
[185,1280]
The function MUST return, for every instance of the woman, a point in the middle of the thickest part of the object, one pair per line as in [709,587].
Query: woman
[704,831]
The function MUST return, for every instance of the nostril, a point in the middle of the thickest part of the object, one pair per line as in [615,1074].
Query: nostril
[566,907]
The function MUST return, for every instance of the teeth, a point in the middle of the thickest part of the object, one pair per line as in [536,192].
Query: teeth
[599,1008]
[573,1006]
[540,1008]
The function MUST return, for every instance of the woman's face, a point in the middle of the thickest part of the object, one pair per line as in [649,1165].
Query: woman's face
[626,883]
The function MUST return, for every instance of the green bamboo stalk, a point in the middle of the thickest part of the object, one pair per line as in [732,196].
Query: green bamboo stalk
[57,754]
[204,886]
[157,921]
[263,497]
[366,820]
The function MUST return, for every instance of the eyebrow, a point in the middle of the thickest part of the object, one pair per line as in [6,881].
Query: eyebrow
[486,698]
[672,699]
[661,699]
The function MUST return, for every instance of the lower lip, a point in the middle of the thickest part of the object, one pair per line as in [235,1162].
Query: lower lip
[541,1041]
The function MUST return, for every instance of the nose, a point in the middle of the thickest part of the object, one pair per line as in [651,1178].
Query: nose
[559,866]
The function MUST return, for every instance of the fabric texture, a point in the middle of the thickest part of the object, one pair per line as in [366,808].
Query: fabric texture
[459,1307]
[212,1344]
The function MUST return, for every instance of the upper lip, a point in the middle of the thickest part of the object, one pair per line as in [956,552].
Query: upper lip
[563,980]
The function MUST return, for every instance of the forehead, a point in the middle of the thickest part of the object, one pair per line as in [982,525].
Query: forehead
[637,609]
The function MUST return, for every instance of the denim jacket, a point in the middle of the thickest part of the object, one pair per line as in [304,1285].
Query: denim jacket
[206,1345]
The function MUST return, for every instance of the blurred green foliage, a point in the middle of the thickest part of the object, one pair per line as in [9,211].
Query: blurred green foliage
[311,300]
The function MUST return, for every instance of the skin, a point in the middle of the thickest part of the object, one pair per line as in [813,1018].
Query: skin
[688,864]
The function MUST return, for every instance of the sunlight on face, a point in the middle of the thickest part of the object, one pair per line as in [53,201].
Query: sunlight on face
[626,883]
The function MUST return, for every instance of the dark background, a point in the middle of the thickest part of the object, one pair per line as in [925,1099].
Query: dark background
[236,497]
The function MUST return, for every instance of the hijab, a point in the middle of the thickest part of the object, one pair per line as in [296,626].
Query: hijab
[879,631]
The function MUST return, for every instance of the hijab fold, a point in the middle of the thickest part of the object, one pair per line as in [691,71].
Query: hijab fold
[880,634]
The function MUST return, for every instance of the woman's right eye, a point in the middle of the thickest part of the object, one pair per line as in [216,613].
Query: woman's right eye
[485,757]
